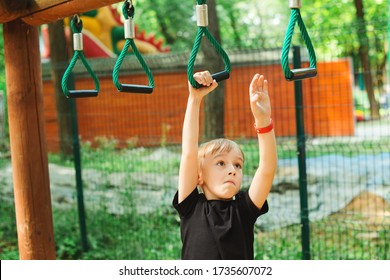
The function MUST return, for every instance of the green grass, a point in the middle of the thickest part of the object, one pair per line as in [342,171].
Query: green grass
[129,236]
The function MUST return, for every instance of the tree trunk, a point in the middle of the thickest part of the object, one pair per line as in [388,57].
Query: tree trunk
[214,103]
[365,59]
[59,61]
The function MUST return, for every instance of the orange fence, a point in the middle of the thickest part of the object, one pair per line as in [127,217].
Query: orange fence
[152,119]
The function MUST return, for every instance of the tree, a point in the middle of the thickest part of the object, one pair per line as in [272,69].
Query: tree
[59,58]
[346,29]
[214,103]
[365,58]
[171,20]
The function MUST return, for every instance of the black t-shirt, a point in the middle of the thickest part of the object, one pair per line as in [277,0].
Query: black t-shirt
[217,229]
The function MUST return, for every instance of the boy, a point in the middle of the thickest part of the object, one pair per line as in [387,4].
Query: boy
[218,222]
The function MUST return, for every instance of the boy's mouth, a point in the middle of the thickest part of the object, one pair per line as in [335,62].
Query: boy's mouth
[230,182]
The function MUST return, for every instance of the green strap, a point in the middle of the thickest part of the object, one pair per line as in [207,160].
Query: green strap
[203,30]
[302,73]
[77,26]
[128,11]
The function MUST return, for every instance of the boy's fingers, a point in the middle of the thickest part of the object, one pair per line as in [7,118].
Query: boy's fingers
[265,87]
[253,84]
[203,78]
[208,88]
[214,84]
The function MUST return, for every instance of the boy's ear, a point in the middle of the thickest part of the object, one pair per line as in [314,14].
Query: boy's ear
[200,179]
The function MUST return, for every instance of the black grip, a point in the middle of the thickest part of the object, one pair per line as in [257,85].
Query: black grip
[82,93]
[303,73]
[136,88]
[220,76]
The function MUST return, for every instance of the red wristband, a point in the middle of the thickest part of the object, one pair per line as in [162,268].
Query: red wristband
[265,129]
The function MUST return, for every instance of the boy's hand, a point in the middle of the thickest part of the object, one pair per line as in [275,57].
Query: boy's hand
[205,79]
[259,100]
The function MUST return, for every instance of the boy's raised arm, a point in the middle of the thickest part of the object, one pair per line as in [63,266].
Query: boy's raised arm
[261,110]
[188,173]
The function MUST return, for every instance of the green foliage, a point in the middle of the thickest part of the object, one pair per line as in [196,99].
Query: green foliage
[2,70]
[335,26]
[242,24]
[8,236]
[128,236]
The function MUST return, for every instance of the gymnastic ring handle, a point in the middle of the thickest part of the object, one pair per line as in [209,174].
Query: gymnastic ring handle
[302,73]
[82,93]
[219,76]
[136,88]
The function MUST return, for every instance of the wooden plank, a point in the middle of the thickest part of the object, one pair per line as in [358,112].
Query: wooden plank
[64,10]
[37,12]
[28,141]
[11,10]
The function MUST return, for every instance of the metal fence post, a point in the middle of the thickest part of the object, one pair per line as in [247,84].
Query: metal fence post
[301,152]
[78,172]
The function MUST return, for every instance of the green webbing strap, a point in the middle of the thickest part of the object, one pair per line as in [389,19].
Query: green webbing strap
[204,30]
[128,12]
[302,73]
[77,26]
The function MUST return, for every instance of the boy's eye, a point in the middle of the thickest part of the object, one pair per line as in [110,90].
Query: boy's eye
[238,166]
[220,163]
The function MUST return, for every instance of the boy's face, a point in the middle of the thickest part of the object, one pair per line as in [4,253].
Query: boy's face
[221,175]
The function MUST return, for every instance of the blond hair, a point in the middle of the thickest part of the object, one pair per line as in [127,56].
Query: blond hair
[216,146]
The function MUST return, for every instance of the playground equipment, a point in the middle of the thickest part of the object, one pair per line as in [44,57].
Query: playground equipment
[77,26]
[202,23]
[128,12]
[129,31]
[300,73]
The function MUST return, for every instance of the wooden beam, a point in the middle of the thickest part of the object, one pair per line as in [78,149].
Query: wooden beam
[28,141]
[37,12]
[11,10]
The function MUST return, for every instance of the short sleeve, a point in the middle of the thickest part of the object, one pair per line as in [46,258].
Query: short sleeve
[185,207]
[250,209]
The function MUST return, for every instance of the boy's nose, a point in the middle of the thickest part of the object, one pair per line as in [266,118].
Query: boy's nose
[232,170]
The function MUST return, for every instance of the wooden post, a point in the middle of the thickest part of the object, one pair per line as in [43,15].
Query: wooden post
[28,141]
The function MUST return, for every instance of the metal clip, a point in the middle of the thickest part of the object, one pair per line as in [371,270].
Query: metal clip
[78,42]
[77,17]
[202,17]
[295,4]
[129,28]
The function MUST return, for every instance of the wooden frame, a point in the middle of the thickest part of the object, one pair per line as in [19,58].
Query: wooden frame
[26,116]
